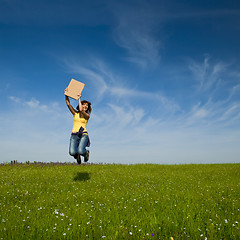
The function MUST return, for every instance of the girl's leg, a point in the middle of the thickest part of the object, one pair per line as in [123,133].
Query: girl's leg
[73,146]
[82,145]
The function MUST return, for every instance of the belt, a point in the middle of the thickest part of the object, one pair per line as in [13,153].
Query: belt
[78,133]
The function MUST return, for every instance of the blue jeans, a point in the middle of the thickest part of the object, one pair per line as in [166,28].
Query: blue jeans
[78,145]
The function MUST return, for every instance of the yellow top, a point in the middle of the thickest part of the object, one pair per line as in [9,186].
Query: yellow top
[79,122]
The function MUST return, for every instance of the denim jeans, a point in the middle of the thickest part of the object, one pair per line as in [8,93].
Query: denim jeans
[78,145]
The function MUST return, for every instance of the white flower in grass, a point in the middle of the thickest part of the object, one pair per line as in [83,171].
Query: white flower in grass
[64,234]
[226,221]
[130,233]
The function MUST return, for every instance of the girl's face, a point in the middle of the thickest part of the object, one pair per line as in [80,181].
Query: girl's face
[85,106]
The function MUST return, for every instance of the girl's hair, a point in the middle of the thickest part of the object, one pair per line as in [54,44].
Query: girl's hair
[89,106]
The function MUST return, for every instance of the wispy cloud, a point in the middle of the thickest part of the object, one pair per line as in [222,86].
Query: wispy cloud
[145,111]
[139,27]
[234,90]
[215,88]
[210,101]
[119,125]
[135,30]
[34,104]
[108,85]
[208,75]
[32,130]
[126,131]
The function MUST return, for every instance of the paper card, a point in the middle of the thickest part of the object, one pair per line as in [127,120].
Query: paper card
[74,89]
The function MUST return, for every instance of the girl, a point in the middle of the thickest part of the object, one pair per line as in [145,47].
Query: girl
[79,138]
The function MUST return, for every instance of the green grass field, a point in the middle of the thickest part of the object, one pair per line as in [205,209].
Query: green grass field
[68,201]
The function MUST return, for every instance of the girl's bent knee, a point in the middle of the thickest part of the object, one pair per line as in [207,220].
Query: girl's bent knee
[72,153]
[82,152]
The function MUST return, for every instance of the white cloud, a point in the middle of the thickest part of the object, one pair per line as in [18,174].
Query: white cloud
[201,113]
[119,134]
[156,141]
[211,109]
[135,31]
[108,86]
[15,99]
[216,93]
[209,74]
[231,112]
[33,131]
[35,104]
[202,73]
[234,90]
[122,126]
[123,130]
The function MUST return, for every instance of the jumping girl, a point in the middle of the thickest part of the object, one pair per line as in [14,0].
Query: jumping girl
[79,138]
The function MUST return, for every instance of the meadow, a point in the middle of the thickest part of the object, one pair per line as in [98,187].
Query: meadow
[145,201]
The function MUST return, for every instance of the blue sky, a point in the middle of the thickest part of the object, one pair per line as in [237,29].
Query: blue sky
[163,78]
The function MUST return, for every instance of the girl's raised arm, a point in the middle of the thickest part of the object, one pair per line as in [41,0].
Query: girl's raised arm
[72,110]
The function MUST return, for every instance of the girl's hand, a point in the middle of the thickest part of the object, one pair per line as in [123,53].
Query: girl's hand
[66,90]
[79,96]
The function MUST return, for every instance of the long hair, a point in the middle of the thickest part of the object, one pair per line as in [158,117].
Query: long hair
[89,106]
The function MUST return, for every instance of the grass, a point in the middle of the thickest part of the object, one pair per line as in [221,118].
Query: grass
[67,201]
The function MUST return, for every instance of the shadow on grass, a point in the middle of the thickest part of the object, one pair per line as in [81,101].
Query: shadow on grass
[81,176]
